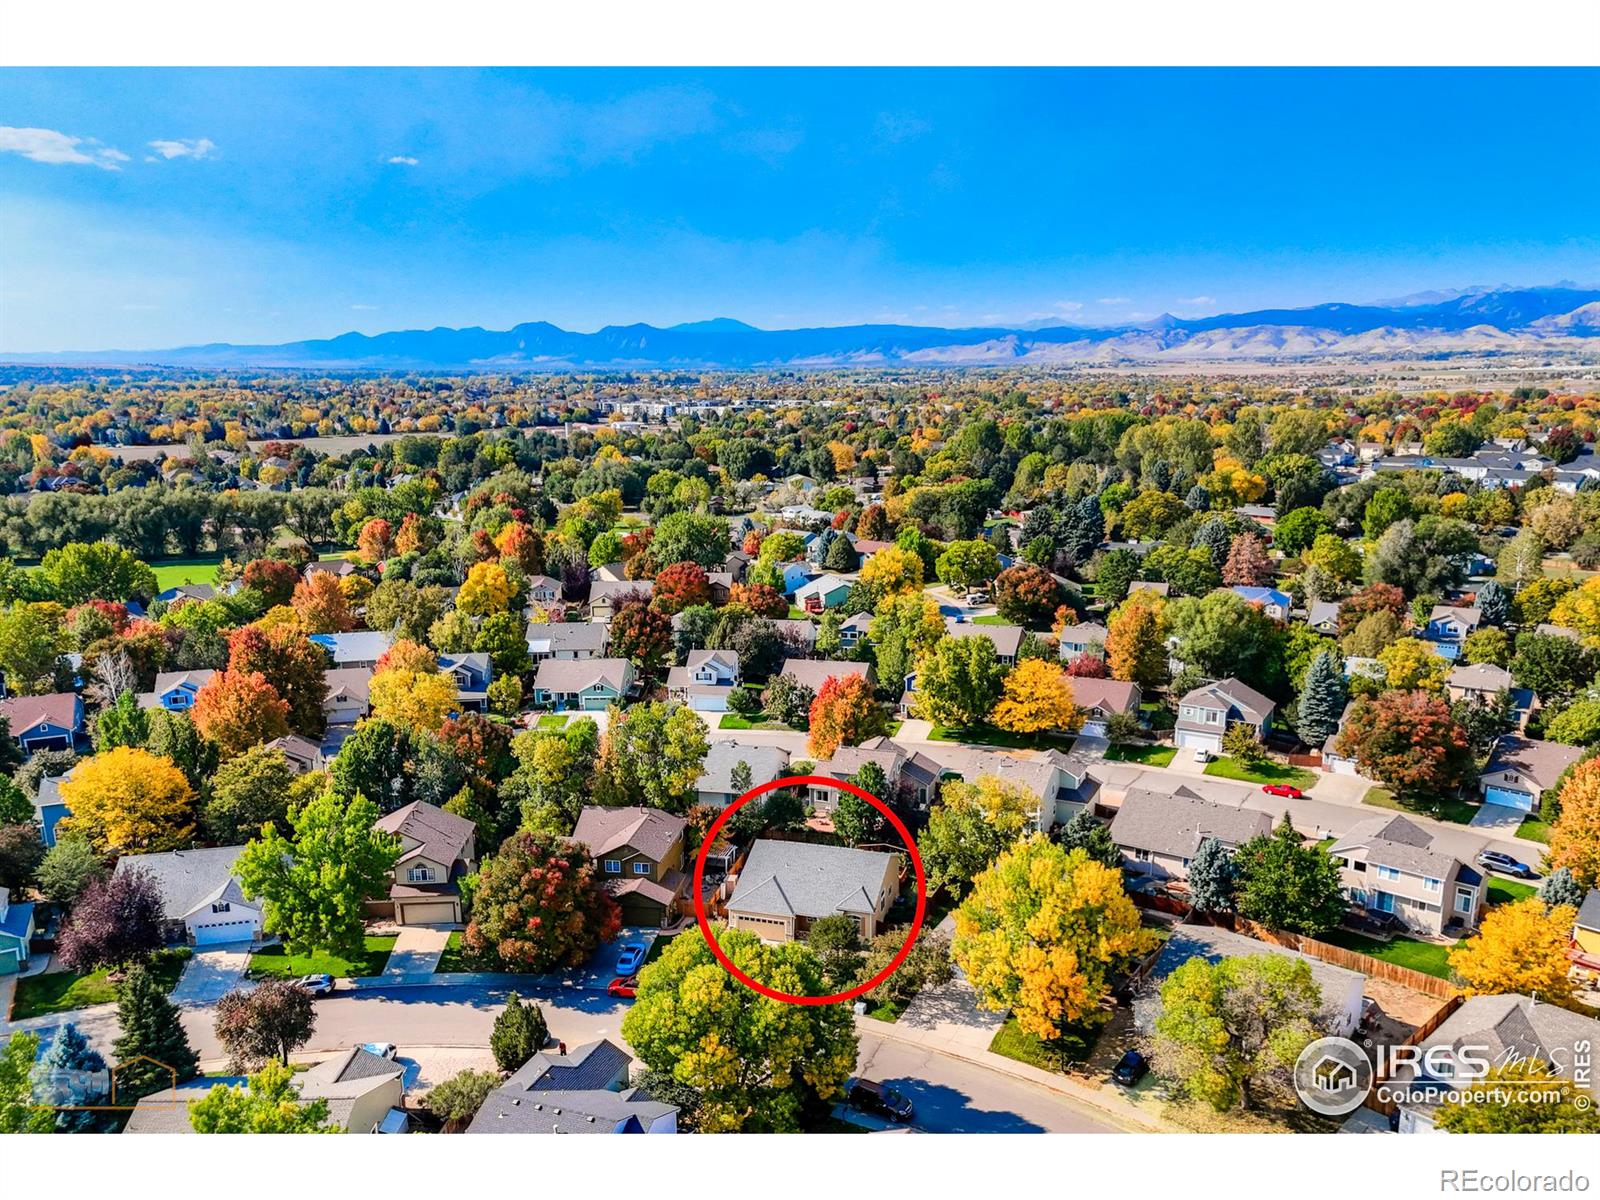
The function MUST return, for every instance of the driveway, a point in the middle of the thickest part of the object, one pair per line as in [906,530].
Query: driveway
[211,974]
[1499,819]
[952,1011]
[416,950]
[1340,789]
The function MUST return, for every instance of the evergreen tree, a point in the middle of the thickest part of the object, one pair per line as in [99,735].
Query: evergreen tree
[1213,536]
[70,1051]
[1559,887]
[1198,499]
[1322,700]
[150,1031]
[519,1033]
[1083,529]
[1087,833]
[1211,878]
[1494,603]
[854,820]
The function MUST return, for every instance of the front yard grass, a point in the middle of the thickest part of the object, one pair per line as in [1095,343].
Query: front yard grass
[1534,830]
[991,619]
[64,991]
[1015,1042]
[1508,891]
[988,735]
[1269,772]
[552,721]
[1431,958]
[275,962]
[735,721]
[1454,809]
[454,958]
[1150,756]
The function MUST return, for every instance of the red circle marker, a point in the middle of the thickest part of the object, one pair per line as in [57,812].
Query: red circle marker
[895,822]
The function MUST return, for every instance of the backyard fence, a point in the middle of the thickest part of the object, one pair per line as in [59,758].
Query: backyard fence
[1417,981]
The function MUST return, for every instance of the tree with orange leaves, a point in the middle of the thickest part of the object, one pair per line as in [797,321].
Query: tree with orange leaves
[295,666]
[844,714]
[239,709]
[321,604]
[406,655]
[375,542]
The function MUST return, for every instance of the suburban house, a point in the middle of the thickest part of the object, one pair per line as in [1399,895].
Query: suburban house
[823,592]
[715,787]
[706,680]
[583,1091]
[1060,782]
[16,931]
[1585,950]
[1101,699]
[1158,833]
[1333,761]
[1506,1030]
[1271,601]
[53,722]
[1205,714]
[349,695]
[339,568]
[639,854]
[542,589]
[1341,987]
[473,673]
[175,690]
[814,672]
[1086,637]
[588,684]
[49,807]
[436,849]
[853,629]
[361,649]
[1390,865]
[1484,682]
[611,572]
[201,901]
[1520,768]
[363,1092]
[785,886]
[735,565]
[607,595]
[1323,617]
[301,753]
[800,634]
[912,777]
[1007,639]
[567,640]
[1448,626]
[795,576]
[1158,587]
[186,591]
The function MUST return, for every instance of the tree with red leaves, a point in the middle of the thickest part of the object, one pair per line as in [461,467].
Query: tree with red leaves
[844,714]
[239,709]
[523,546]
[295,666]
[1410,742]
[1086,666]
[264,1024]
[321,605]
[1027,595]
[752,543]
[1248,564]
[873,524]
[375,542]
[760,599]
[1373,598]
[483,747]
[681,585]
[641,634]
[273,578]
[116,921]
[540,903]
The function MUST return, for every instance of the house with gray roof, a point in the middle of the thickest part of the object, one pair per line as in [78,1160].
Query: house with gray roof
[201,901]
[639,854]
[567,639]
[349,695]
[1086,637]
[583,1091]
[1205,714]
[1158,833]
[587,684]
[607,595]
[913,778]
[436,849]
[706,680]
[1006,639]
[1520,769]
[715,787]
[1392,865]
[362,648]
[1323,617]
[814,672]
[785,886]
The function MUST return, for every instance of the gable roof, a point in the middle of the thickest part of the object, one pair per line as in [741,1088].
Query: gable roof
[189,879]
[1007,639]
[1401,844]
[26,712]
[650,831]
[364,645]
[441,836]
[580,674]
[349,683]
[1542,762]
[766,763]
[814,672]
[1480,677]
[167,680]
[1109,695]
[809,879]
[553,637]
[1589,911]
[1231,693]
[727,659]
[1176,824]
[613,589]
[592,1065]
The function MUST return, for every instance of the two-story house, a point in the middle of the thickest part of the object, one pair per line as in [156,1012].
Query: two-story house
[16,932]
[1322,616]
[785,886]
[473,674]
[1449,626]
[1086,637]
[639,854]
[1102,699]
[586,684]
[1158,833]
[1006,639]
[175,690]
[1271,601]
[719,783]
[912,778]
[542,589]
[853,629]
[1391,865]
[706,680]
[567,640]
[608,595]
[1205,714]
[436,849]
[1483,683]
[1520,769]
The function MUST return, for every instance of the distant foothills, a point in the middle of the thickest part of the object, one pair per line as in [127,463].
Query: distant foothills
[1486,321]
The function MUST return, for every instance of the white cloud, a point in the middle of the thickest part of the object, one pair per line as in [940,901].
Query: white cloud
[1113,300]
[402,160]
[1199,300]
[182,148]
[365,307]
[56,148]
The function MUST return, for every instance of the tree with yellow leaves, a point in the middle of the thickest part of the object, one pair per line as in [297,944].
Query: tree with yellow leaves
[1520,948]
[1575,838]
[415,700]
[1037,698]
[128,801]
[892,570]
[1410,665]
[1043,934]
[487,589]
[1580,609]
[1136,640]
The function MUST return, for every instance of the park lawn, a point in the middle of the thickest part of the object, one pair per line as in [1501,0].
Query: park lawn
[1534,830]
[1017,1043]
[1270,772]
[1508,891]
[275,963]
[185,570]
[1150,756]
[988,735]
[1454,809]
[1431,958]
[64,991]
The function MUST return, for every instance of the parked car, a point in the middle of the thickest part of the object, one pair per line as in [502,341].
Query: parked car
[624,987]
[631,957]
[1504,863]
[1283,789]
[317,985]
[1130,1068]
[880,1101]
[1202,755]
[977,596]
[381,1049]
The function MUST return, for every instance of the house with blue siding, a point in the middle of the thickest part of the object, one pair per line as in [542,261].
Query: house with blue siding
[16,931]
[53,722]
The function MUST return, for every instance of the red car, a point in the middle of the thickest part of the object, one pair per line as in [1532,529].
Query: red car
[623,987]
[1283,789]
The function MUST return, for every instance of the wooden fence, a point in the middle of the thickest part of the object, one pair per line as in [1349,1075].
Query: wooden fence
[1417,981]
[1312,760]
[1418,1035]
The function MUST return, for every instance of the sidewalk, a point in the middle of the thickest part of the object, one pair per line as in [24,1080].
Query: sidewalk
[1106,1100]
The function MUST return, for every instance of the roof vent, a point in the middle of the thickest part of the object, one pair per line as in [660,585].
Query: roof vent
[591,1118]
[516,1100]
[538,1108]
[556,1111]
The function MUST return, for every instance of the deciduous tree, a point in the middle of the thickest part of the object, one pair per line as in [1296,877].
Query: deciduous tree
[128,801]
[1410,742]
[269,1103]
[1519,948]
[235,710]
[540,903]
[520,1031]
[322,605]
[844,714]
[1036,697]
[1285,884]
[959,682]
[118,920]
[265,1023]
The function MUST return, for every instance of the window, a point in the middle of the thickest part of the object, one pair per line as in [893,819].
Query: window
[613,867]
[222,907]
[1431,885]
[1388,873]
[1142,855]
[641,868]
[419,875]
[1464,898]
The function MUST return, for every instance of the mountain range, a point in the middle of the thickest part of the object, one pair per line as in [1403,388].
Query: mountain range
[1488,321]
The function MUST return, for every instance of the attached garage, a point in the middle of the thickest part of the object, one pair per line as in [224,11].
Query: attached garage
[1522,801]
[219,933]
[768,929]
[1190,739]
[427,912]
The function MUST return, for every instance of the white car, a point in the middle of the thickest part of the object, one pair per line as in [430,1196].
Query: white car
[1202,755]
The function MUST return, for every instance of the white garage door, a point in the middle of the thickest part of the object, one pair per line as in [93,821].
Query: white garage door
[1188,739]
[225,931]
[427,912]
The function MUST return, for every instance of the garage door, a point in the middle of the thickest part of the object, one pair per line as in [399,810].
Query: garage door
[1186,739]
[1505,796]
[224,931]
[1094,728]
[431,912]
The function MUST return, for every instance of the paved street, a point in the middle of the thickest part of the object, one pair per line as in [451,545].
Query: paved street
[952,1096]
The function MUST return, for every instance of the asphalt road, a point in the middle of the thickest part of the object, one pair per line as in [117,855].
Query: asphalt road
[953,1096]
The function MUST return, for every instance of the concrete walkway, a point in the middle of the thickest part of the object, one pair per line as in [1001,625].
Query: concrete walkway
[417,950]
[211,974]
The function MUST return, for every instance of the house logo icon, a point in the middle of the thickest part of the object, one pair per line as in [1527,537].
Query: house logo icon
[1332,1076]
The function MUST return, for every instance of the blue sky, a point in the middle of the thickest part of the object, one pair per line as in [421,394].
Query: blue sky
[156,208]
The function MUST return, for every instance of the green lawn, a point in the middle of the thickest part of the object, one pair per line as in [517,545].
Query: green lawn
[1017,1043]
[1506,891]
[1150,756]
[1454,809]
[991,619]
[1534,830]
[1270,772]
[454,957]
[274,962]
[988,735]
[1431,958]
[798,614]
[552,721]
[185,570]
[893,727]
[63,991]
